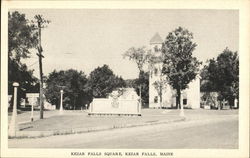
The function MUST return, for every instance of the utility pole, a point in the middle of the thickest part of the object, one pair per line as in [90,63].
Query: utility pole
[40,24]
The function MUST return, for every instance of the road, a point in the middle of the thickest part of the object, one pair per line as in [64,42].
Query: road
[203,134]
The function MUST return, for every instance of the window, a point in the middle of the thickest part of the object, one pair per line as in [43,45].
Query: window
[156,71]
[156,99]
[184,101]
[156,49]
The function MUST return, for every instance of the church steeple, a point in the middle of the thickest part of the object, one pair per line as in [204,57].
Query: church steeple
[156,39]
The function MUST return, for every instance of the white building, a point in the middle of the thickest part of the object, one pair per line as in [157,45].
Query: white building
[190,96]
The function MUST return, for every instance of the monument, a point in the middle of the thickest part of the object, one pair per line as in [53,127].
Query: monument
[123,101]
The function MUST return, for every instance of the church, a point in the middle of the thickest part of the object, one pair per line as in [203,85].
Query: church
[190,97]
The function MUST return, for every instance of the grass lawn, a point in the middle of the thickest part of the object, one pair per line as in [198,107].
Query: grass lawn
[80,119]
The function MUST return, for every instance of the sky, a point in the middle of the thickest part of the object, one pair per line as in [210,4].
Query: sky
[84,39]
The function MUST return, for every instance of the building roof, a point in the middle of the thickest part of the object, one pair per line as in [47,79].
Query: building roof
[156,39]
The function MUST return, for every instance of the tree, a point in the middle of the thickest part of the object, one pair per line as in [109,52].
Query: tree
[18,72]
[73,84]
[223,74]
[102,81]
[22,37]
[206,84]
[143,81]
[159,86]
[179,66]
[140,56]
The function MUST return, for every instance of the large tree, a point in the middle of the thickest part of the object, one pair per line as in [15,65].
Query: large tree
[206,84]
[140,57]
[179,66]
[22,37]
[103,81]
[222,75]
[72,83]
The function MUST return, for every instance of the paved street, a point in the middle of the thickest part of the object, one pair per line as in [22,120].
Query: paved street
[220,132]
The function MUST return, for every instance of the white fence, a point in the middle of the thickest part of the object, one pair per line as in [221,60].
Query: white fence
[115,106]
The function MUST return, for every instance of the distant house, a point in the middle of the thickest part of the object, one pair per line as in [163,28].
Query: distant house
[209,100]
[190,96]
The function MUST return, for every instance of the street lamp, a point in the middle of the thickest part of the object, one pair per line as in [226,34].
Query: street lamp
[13,124]
[61,103]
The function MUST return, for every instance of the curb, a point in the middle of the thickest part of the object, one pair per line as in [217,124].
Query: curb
[40,134]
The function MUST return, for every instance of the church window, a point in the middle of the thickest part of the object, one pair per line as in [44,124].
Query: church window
[156,99]
[156,71]
[184,101]
[156,48]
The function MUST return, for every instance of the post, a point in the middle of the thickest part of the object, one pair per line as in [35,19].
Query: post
[13,127]
[32,112]
[235,103]
[40,22]
[40,56]
[182,108]
[61,103]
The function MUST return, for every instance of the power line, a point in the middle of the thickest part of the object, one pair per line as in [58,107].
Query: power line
[33,64]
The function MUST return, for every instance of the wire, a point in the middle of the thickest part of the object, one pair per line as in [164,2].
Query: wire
[33,64]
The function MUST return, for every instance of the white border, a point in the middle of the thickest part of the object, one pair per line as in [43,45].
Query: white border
[241,5]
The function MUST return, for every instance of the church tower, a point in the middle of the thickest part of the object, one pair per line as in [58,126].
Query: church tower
[154,74]
[190,96]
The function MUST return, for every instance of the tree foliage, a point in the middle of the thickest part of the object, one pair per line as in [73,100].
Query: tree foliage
[139,55]
[102,81]
[22,36]
[179,66]
[73,84]
[222,75]
[142,81]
